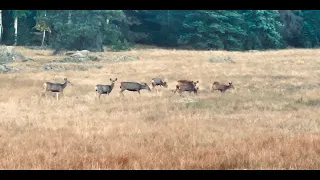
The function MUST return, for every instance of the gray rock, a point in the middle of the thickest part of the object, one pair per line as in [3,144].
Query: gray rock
[9,54]
[5,69]
[56,67]
[221,60]
[123,58]
[79,56]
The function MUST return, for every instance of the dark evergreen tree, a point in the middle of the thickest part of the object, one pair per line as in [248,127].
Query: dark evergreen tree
[218,29]
[311,29]
[263,29]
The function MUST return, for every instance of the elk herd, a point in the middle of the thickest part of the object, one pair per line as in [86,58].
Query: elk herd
[182,85]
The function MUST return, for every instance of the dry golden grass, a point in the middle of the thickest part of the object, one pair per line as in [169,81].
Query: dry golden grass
[261,124]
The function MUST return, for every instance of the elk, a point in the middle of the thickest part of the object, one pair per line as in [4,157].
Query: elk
[105,89]
[158,82]
[133,86]
[188,81]
[55,87]
[186,85]
[221,87]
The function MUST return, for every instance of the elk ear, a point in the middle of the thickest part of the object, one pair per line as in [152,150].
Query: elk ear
[230,83]
[116,79]
[65,79]
[110,79]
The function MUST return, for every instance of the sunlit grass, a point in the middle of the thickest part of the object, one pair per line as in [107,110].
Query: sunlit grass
[269,121]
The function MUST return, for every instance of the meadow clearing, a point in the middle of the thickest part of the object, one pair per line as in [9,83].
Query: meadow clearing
[269,121]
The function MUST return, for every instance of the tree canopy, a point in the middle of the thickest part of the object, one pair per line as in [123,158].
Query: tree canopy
[196,29]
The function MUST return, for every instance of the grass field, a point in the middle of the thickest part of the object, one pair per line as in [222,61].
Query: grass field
[269,121]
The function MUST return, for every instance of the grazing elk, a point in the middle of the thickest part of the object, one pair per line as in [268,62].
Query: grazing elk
[186,85]
[158,82]
[105,89]
[55,87]
[221,87]
[133,86]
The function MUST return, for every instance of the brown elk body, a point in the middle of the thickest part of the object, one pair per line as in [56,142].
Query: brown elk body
[55,87]
[133,86]
[216,86]
[186,85]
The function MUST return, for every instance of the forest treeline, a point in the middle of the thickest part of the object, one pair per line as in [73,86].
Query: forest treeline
[187,29]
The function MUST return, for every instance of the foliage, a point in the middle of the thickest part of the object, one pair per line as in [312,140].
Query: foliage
[213,30]
[197,29]
[263,28]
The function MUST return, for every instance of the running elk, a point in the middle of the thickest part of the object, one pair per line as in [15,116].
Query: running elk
[133,86]
[186,85]
[216,86]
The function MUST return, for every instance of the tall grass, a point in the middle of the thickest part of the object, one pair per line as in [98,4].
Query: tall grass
[269,121]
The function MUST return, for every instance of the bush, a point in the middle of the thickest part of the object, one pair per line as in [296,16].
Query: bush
[121,46]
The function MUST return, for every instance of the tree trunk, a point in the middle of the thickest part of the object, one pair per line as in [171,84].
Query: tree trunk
[69,17]
[43,37]
[15,30]
[44,31]
[168,18]
[1,27]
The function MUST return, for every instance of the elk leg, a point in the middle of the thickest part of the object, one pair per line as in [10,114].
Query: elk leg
[177,88]
[57,95]
[122,91]
[45,94]
[180,92]
[139,91]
